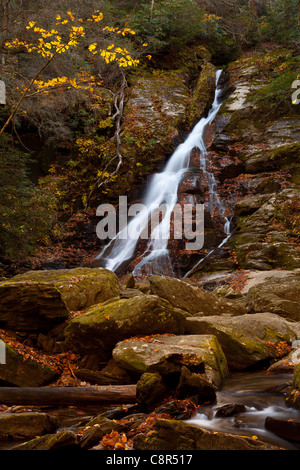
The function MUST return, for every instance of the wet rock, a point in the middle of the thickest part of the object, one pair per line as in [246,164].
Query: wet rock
[288,429]
[167,354]
[177,435]
[230,409]
[247,339]
[99,329]
[37,300]
[26,425]
[203,93]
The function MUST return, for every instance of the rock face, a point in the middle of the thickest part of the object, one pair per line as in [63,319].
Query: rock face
[246,340]
[280,296]
[257,145]
[101,327]
[37,300]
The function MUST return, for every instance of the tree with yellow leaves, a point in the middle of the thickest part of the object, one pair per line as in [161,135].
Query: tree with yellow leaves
[50,43]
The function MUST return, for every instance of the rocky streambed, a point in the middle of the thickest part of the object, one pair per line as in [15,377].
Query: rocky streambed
[178,344]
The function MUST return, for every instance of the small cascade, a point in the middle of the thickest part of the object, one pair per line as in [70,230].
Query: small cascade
[163,191]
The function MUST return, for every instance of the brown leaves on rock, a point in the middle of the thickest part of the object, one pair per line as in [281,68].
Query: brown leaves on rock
[64,363]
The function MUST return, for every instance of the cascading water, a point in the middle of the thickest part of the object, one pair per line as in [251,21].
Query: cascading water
[163,190]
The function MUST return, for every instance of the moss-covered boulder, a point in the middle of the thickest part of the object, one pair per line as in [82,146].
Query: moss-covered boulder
[194,300]
[167,355]
[280,296]
[31,424]
[25,372]
[62,440]
[37,300]
[178,435]
[100,328]
[150,390]
[247,339]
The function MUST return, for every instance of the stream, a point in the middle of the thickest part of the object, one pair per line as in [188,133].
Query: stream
[261,394]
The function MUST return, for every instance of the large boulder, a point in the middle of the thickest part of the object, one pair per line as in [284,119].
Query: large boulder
[194,300]
[247,339]
[28,425]
[168,434]
[37,300]
[25,372]
[101,327]
[280,296]
[167,355]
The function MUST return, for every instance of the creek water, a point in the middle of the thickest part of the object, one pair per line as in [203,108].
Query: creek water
[163,190]
[262,395]
[257,391]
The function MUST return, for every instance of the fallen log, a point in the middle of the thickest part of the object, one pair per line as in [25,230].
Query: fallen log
[55,396]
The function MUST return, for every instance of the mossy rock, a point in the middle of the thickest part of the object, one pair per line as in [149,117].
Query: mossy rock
[21,425]
[203,93]
[167,355]
[284,157]
[246,340]
[280,296]
[62,440]
[150,390]
[100,328]
[36,300]
[178,435]
[25,372]
[194,300]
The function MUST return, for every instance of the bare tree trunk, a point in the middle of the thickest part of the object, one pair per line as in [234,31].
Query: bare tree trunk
[119,105]
[56,396]
[5,9]
[151,11]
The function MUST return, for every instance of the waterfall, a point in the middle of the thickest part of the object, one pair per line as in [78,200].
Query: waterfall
[163,190]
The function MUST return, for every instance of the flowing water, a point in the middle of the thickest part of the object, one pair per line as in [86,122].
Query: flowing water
[163,190]
[260,394]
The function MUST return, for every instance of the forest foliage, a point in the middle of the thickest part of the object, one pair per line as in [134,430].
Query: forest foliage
[62,64]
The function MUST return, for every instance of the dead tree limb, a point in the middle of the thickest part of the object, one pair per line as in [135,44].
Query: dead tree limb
[56,396]
[119,106]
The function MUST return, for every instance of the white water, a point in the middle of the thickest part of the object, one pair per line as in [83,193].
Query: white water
[163,189]
[257,392]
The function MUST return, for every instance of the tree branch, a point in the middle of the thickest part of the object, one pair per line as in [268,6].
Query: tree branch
[119,105]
